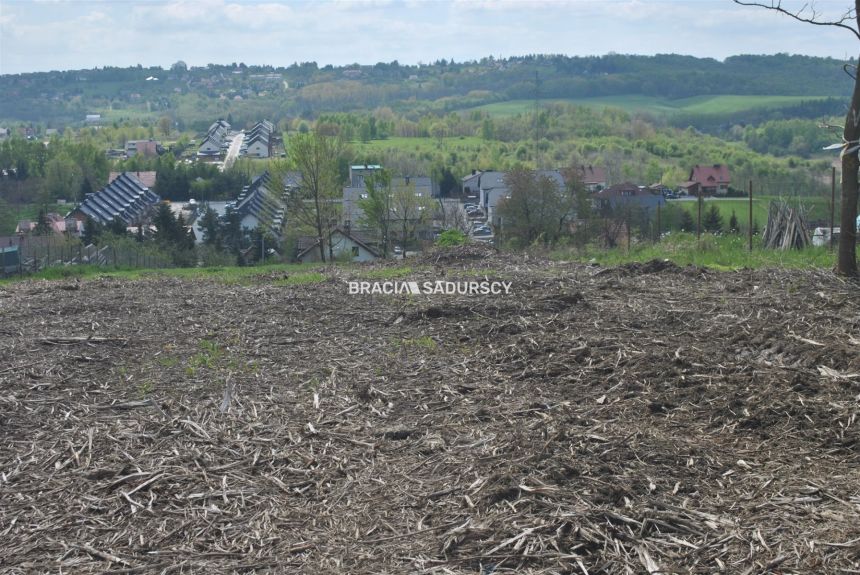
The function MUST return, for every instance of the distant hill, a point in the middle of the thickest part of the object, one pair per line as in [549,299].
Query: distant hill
[195,96]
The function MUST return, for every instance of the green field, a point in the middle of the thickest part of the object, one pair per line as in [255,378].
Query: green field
[705,105]
[459,144]
[816,208]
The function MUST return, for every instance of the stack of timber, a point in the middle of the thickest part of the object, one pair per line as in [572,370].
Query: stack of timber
[786,228]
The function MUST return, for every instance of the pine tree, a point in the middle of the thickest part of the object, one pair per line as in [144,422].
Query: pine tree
[91,233]
[117,227]
[209,225]
[734,227]
[713,221]
[43,226]
[686,224]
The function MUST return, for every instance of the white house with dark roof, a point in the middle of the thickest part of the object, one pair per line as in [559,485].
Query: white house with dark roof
[261,204]
[258,140]
[345,245]
[216,139]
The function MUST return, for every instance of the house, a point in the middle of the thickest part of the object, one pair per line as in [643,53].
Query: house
[146,148]
[469,184]
[709,180]
[125,197]
[493,188]
[345,244]
[4,133]
[422,186]
[148,178]
[627,194]
[56,224]
[593,178]
[258,140]
[261,204]
[215,140]
[93,118]
[258,147]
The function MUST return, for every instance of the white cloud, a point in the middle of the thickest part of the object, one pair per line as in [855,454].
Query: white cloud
[87,33]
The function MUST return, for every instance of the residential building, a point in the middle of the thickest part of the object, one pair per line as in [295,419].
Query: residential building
[146,148]
[493,189]
[627,194]
[258,140]
[593,177]
[345,245]
[469,184]
[422,186]
[708,180]
[262,204]
[216,140]
[126,198]
[147,178]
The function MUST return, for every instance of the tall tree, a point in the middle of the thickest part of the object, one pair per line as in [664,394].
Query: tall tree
[315,202]
[537,208]
[43,226]
[376,207]
[849,20]
[409,211]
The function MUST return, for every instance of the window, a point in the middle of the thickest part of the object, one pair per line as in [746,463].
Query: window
[355,251]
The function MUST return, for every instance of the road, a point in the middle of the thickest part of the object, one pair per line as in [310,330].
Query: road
[233,151]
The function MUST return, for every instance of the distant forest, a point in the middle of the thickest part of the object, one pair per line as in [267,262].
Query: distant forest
[193,96]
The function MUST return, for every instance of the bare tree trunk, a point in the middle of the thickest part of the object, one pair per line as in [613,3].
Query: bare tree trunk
[847,259]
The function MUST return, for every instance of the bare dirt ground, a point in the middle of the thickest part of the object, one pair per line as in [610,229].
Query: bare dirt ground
[642,419]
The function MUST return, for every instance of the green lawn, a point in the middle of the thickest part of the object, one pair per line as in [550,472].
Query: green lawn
[290,274]
[817,208]
[722,104]
[724,253]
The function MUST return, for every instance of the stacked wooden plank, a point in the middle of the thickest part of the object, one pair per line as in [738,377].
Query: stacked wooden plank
[786,228]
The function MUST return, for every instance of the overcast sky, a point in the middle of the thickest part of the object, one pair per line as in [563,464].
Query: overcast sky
[39,35]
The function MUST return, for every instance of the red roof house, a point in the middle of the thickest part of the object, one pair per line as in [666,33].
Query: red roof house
[710,180]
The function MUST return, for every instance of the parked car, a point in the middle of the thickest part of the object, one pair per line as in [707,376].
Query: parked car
[483,232]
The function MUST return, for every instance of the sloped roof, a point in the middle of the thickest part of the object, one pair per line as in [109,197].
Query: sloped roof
[259,201]
[125,197]
[148,179]
[625,189]
[304,244]
[592,175]
[710,175]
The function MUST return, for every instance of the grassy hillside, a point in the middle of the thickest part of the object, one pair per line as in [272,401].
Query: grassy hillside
[702,105]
